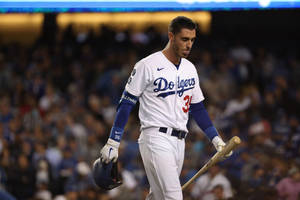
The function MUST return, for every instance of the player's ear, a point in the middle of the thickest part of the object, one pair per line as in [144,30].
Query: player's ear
[170,36]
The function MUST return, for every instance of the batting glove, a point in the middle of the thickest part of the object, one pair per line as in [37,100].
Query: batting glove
[110,151]
[219,145]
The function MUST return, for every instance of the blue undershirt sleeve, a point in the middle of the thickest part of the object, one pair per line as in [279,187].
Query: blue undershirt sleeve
[201,117]
[124,108]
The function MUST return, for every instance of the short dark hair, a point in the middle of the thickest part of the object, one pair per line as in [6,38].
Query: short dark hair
[181,22]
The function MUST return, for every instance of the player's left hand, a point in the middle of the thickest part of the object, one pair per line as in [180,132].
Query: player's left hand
[110,151]
[220,144]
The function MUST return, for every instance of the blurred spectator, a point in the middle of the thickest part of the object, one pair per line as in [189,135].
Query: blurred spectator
[60,197]
[66,168]
[258,178]
[44,173]
[42,192]
[48,99]
[218,193]
[206,183]
[22,178]
[80,180]
[238,104]
[289,187]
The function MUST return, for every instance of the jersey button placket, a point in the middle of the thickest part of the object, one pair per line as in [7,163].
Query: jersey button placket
[175,96]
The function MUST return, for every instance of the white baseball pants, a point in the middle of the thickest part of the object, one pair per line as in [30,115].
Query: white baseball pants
[163,157]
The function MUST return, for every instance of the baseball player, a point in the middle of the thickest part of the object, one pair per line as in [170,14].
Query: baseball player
[167,87]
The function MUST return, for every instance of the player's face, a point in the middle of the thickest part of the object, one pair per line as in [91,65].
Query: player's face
[182,42]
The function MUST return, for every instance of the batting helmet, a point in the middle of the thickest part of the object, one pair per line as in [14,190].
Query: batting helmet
[105,175]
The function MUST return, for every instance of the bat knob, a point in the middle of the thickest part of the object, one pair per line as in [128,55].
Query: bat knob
[236,140]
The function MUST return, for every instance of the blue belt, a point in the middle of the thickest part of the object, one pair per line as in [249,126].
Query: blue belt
[177,133]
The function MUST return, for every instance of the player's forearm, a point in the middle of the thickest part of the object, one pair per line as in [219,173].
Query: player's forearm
[202,118]
[121,119]
[125,106]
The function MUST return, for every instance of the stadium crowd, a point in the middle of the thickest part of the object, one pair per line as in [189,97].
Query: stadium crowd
[58,99]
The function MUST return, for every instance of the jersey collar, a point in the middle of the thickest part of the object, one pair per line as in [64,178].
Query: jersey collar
[177,66]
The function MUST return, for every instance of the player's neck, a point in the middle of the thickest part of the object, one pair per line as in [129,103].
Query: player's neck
[170,55]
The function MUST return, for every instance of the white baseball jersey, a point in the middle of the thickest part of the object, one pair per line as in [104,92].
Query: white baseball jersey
[165,92]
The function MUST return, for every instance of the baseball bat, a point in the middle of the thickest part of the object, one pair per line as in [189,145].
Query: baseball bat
[231,145]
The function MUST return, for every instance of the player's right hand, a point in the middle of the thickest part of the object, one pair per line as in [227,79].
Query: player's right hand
[220,144]
[110,151]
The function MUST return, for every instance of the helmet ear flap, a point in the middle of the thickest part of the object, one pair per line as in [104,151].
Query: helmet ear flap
[105,175]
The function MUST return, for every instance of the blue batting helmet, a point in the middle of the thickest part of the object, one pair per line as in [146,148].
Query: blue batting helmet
[105,175]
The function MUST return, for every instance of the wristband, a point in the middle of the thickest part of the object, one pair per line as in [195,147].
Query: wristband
[116,133]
